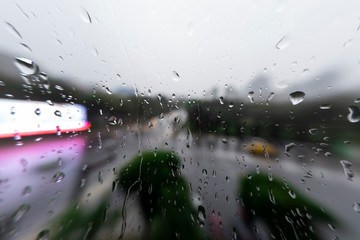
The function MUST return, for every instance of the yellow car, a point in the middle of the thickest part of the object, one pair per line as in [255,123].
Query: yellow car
[260,148]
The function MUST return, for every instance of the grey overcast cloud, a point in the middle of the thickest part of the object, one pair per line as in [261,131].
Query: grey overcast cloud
[187,47]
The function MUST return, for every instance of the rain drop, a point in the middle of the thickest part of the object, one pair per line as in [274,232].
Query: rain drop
[175,76]
[297,97]
[251,96]
[57,113]
[188,138]
[100,177]
[85,16]
[112,120]
[346,166]
[221,100]
[271,95]
[356,207]
[59,88]
[26,191]
[292,194]
[313,131]
[20,212]
[272,197]
[354,114]
[161,116]
[43,235]
[108,91]
[26,66]
[201,213]
[347,43]
[283,42]
[325,106]
[58,177]
[82,183]
[26,47]
[12,110]
[45,81]
[13,30]
[288,147]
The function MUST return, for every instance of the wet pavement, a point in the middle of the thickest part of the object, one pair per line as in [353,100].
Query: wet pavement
[41,178]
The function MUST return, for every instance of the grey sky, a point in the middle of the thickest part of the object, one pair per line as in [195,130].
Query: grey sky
[208,43]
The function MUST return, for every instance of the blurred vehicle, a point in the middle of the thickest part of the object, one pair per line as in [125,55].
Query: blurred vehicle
[260,148]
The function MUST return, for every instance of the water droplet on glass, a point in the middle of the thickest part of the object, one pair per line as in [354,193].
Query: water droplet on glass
[297,97]
[251,96]
[83,182]
[272,197]
[59,88]
[347,43]
[204,172]
[20,212]
[175,76]
[356,207]
[26,191]
[17,137]
[50,102]
[346,166]
[99,140]
[201,213]
[12,110]
[57,113]
[112,120]
[100,177]
[150,124]
[2,84]
[221,100]
[271,96]
[85,16]
[313,131]
[45,80]
[357,100]
[58,177]
[354,114]
[288,147]
[188,138]
[325,106]
[161,116]
[26,47]
[108,91]
[292,194]
[43,235]
[224,140]
[283,42]
[26,66]
[190,28]
[94,51]
[13,30]
[305,71]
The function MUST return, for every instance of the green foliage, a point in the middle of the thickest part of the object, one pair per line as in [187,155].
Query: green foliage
[286,212]
[164,195]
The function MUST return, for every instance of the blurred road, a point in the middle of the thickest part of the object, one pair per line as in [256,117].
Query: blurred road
[39,178]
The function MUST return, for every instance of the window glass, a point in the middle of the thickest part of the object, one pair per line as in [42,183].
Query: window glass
[179,119]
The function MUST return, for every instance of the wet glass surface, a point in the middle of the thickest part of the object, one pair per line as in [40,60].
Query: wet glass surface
[179,120]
